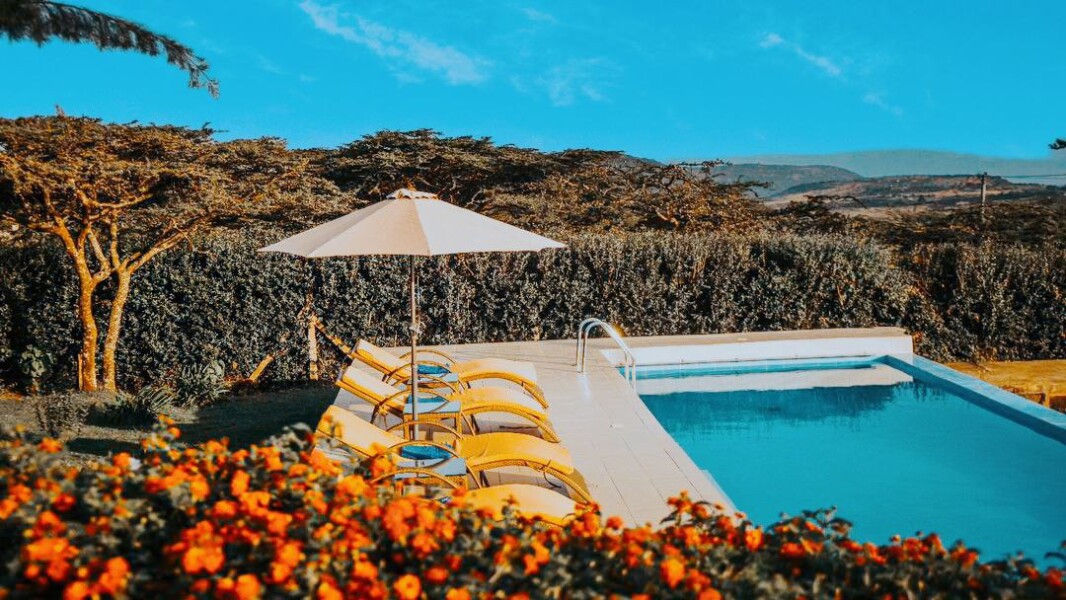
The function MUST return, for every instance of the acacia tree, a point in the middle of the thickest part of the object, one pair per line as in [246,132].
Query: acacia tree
[116,196]
[611,191]
[41,21]
[464,170]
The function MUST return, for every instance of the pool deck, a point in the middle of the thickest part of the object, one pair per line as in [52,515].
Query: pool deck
[630,462]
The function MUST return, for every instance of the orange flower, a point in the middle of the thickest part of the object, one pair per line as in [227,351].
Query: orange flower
[327,590]
[121,460]
[77,590]
[753,539]
[436,575]
[208,559]
[289,554]
[531,564]
[710,594]
[113,579]
[224,509]
[64,502]
[248,587]
[50,446]
[424,544]
[48,550]
[365,570]
[407,587]
[351,485]
[672,571]
[457,594]
[239,484]
[199,488]
[614,523]
[811,547]
[792,550]
[58,570]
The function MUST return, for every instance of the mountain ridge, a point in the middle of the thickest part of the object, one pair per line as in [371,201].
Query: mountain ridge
[903,162]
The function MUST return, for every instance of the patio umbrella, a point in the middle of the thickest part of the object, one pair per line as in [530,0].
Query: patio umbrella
[411,223]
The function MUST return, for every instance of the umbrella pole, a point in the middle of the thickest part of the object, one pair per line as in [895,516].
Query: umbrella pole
[414,347]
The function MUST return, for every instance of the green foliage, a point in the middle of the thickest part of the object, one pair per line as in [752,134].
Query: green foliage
[33,365]
[143,408]
[223,299]
[60,415]
[200,385]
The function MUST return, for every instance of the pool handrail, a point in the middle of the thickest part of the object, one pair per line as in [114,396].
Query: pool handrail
[629,367]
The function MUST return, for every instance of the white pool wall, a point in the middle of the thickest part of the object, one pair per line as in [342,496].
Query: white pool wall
[821,344]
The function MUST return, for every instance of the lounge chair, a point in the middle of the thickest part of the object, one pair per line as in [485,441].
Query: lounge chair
[461,403]
[482,452]
[531,501]
[435,373]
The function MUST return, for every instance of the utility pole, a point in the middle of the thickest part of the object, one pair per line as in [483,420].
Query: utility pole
[984,192]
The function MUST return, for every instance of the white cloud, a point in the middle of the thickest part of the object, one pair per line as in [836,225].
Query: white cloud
[574,79]
[770,40]
[535,15]
[823,63]
[399,46]
[878,99]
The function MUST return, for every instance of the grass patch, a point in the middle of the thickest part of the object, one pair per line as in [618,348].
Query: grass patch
[245,418]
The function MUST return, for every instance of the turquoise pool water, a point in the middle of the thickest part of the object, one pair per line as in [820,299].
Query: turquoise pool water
[894,459]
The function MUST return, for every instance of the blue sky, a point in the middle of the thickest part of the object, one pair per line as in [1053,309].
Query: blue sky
[687,79]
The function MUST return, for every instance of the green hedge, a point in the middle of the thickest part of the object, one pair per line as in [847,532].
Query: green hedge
[223,300]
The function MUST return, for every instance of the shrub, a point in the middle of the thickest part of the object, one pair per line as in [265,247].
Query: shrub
[199,385]
[143,408]
[61,415]
[279,520]
[33,364]
[222,299]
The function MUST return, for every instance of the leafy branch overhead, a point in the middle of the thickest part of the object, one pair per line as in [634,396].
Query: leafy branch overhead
[1059,144]
[42,21]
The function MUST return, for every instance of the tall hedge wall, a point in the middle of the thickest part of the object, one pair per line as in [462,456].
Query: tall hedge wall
[223,300]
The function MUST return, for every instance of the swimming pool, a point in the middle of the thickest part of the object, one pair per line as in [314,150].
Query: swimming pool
[898,445]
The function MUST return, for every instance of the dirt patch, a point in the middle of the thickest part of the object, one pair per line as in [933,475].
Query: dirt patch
[1042,381]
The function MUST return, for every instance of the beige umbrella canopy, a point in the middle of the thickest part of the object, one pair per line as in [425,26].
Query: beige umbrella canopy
[411,223]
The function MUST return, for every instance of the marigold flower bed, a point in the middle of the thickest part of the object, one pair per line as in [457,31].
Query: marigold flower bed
[279,520]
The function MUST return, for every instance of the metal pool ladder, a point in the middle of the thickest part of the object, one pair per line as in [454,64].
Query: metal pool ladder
[629,367]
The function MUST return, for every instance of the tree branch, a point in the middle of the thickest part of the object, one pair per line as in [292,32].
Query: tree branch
[41,21]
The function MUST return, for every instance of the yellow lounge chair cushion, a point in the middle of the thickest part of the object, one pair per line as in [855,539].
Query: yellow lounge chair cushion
[356,432]
[386,361]
[377,392]
[531,501]
[507,447]
[479,368]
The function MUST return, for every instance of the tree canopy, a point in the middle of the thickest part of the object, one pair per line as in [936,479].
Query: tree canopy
[41,21]
[115,196]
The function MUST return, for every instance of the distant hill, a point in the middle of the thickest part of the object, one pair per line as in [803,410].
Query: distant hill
[783,177]
[883,163]
[917,191]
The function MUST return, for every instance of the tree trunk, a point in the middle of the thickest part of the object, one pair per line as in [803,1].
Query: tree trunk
[114,326]
[89,334]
